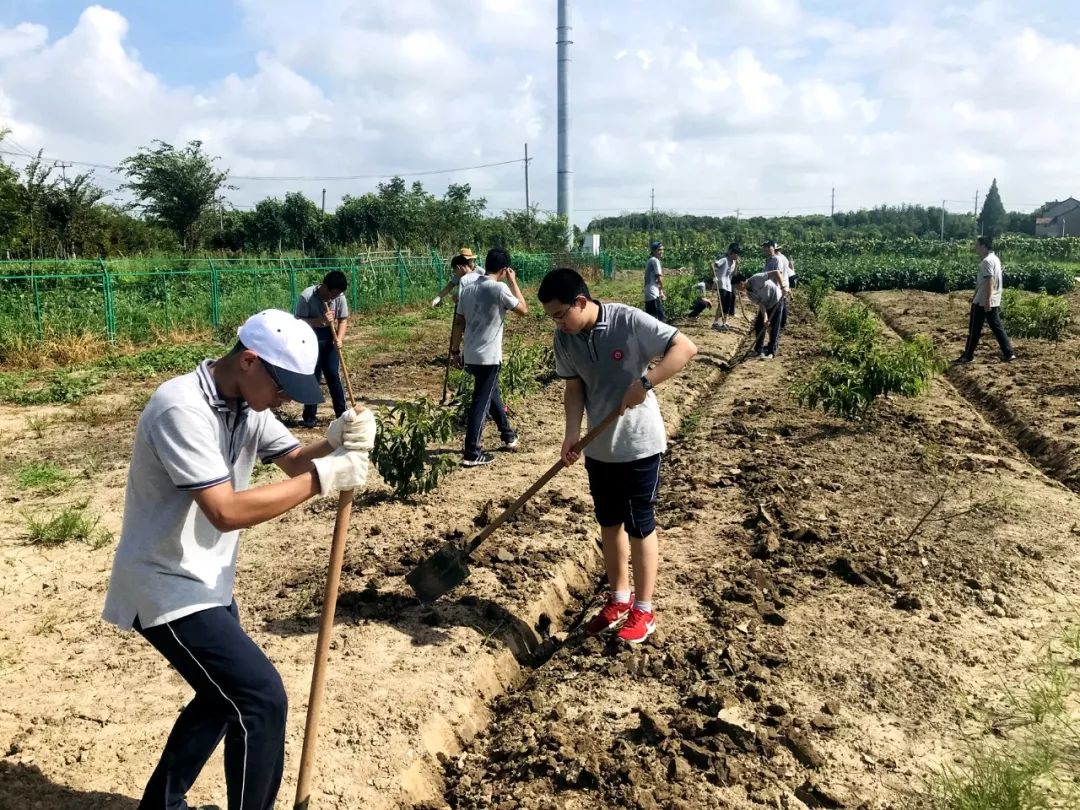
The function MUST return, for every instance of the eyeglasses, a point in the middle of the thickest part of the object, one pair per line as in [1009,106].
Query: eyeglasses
[270,370]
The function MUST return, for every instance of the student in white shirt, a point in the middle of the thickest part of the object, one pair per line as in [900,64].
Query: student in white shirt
[986,304]
[723,268]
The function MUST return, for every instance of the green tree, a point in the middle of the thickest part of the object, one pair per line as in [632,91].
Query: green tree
[67,213]
[302,220]
[175,186]
[992,218]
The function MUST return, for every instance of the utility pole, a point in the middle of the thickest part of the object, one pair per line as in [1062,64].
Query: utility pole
[564,173]
[63,167]
[324,201]
[832,205]
[527,206]
[652,211]
[942,220]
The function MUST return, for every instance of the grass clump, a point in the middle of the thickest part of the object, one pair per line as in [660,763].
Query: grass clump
[44,476]
[71,524]
[814,293]
[1034,315]
[1035,767]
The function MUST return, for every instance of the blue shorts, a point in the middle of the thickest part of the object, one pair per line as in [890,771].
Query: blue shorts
[624,493]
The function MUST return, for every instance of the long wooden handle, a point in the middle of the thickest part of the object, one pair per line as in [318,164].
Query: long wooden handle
[322,649]
[513,508]
[326,621]
[341,355]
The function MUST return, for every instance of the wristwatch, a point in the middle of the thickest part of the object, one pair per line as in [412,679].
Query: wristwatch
[648,386]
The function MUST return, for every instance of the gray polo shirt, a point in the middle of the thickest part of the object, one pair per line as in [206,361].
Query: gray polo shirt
[171,561]
[762,290]
[653,272]
[309,305]
[607,359]
[484,304]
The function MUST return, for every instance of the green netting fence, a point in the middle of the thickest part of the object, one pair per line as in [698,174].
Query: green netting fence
[147,299]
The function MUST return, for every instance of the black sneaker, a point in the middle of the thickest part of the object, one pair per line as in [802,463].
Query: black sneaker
[961,361]
[479,461]
[1010,358]
[308,423]
[511,444]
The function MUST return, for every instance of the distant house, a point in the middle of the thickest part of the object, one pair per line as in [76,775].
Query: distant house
[1059,219]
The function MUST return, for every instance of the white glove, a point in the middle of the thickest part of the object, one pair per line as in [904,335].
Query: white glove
[352,431]
[341,470]
[436,300]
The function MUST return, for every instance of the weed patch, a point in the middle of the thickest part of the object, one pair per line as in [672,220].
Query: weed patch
[42,476]
[73,523]
[1031,315]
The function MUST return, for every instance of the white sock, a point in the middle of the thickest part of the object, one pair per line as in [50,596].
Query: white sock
[646,606]
[622,597]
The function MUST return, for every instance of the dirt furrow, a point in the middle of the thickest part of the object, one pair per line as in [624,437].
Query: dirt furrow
[836,601]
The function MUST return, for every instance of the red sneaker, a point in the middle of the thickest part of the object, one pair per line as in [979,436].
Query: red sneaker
[639,626]
[610,616]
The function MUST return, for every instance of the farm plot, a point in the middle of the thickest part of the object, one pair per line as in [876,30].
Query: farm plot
[407,682]
[1036,399]
[839,600]
[810,643]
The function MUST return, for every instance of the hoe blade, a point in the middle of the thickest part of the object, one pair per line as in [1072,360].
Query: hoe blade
[442,571]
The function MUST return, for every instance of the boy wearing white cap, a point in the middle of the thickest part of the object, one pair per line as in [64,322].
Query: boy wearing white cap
[187,498]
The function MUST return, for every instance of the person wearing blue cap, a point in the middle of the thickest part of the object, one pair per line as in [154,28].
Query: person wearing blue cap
[654,282]
[188,495]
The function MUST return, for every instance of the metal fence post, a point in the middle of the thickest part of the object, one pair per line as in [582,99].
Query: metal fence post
[354,284]
[292,287]
[37,302]
[401,278]
[106,289]
[215,295]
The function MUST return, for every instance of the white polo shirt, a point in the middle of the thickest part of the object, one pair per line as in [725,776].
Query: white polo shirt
[171,561]
[989,270]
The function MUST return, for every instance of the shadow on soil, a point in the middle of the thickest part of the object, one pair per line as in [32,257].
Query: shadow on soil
[26,786]
[427,624]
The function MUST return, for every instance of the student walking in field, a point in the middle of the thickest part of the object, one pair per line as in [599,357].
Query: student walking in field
[311,308]
[763,290]
[478,326]
[986,304]
[654,282]
[723,269]
[603,352]
[187,498]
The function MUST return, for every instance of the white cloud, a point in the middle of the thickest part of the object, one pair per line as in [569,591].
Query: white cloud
[715,103]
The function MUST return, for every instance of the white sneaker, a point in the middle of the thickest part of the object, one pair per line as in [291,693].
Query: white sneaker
[510,445]
[765,357]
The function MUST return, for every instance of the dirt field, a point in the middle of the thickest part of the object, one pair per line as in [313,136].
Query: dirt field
[812,649]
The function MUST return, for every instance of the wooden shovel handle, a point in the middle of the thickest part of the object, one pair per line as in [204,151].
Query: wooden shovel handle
[513,508]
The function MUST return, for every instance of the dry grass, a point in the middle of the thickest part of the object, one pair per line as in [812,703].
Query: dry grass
[21,352]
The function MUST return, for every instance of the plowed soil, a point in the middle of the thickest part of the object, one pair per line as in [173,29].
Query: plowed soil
[837,601]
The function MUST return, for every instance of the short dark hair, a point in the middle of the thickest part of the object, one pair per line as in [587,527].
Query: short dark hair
[497,259]
[564,285]
[738,278]
[986,241]
[459,261]
[335,280]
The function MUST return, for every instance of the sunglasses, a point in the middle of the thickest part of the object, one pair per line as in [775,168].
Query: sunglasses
[270,370]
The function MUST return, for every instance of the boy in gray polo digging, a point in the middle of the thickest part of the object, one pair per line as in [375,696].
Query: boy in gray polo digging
[187,499]
[654,282]
[311,308]
[603,352]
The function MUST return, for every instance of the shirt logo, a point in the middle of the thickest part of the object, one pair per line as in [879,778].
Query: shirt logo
[617,355]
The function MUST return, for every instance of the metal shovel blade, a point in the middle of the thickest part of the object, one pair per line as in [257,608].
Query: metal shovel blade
[441,572]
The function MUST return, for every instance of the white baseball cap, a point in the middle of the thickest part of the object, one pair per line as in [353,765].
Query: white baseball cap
[289,347]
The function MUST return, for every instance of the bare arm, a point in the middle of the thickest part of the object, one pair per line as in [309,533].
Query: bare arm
[574,410]
[456,332]
[679,353]
[342,328]
[299,460]
[229,510]
[522,308]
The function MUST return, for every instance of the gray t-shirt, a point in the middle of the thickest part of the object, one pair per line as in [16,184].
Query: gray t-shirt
[309,305]
[989,269]
[171,561]
[608,359]
[653,272]
[722,270]
[484,304]
[763,290]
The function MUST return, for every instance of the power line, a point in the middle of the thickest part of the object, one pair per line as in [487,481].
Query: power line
[288,178]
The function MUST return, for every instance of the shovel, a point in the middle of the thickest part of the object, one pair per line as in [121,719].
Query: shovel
[449,566]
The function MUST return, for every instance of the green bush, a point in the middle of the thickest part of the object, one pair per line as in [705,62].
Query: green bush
[401,441]
[680,296]
[1029,315]
[525,368]
[814,293]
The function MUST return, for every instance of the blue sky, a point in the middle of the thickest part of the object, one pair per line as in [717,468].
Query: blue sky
[755,105]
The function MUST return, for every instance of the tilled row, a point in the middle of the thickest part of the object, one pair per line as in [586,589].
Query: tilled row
[823,586]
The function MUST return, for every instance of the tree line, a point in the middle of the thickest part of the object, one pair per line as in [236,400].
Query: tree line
[178,206]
